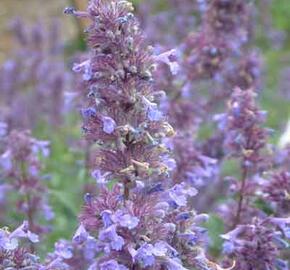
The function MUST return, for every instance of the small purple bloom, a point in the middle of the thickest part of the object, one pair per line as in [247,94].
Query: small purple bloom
[183,216]
[154,114]
[109,236]
[89,112]
[5,161]
[64,249]
[81,234]
[281,264]
[190,238]
[144,255]
[170,59]
[109,124]
[23,232]
[3,129]
[99,177]
[125,220]
[180,193]
[41,147]
[112,265]
[107,218]
[69,10]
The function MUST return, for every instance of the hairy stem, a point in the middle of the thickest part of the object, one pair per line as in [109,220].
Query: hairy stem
[29,212]
[241,196]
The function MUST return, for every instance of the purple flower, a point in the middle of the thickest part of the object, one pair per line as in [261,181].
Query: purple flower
[190,238]
[180,193]
[3,129]
[154,114]
[89,112]
[81,234]
[41,147]
[99,177]
[111,239]
[283,224]
[169,58]
[125,220]
[109,124]
[145,255]
[23,232]
[112,265]
[64,249]
[107,218]
[7,242]
[5,161]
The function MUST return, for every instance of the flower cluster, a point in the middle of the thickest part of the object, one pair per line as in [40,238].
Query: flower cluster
[12,254]
[255,243]
[223,30]
[258,245]
[243,124]
[122,115]
[276,190]
[145,221]
[21,173]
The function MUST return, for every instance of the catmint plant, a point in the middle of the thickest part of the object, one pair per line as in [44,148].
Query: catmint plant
[20,168]
[144,220]
[256,239]
[15,255]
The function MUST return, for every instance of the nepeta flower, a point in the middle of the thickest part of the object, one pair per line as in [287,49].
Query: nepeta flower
[123,115]
[16,256]
[245,135]
[20,166]
[256,246]
[144,220]
[276,191]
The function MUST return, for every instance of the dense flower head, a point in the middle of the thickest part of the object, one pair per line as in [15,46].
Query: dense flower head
[20,168]
[16,255]
[206,55]
[153,229]
[191,165]
[78,253]
[276,191]
[224,29]
[246,73]
[227,17]
[245,135]
[257,245]
[122,116]
[144,221]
